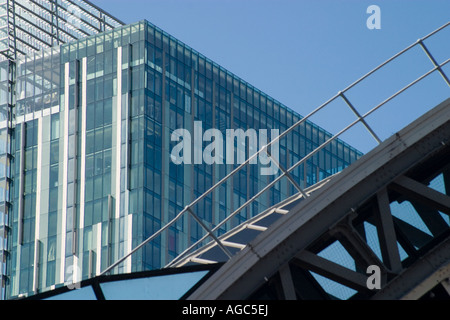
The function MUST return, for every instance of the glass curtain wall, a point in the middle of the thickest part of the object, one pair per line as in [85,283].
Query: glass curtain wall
[6,70]
[93,126]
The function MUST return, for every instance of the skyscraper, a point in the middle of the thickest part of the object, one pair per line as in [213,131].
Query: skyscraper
[88,141]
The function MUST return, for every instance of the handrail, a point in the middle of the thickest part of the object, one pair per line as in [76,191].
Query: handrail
[340,94]
[184,255]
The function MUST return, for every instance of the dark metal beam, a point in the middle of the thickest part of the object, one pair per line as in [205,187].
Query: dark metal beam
[415,236]
[417,191]
[357,247]
[421,276]
[386,233]
[446,176]
[307,287]
[331,270]
[431,217]
[287,283]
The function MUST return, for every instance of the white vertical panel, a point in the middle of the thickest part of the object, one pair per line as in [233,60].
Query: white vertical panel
[65,168]
[99,248]
[76,276]
[83,142]
[78,259]
[118,130]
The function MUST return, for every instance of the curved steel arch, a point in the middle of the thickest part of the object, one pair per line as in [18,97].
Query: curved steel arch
[413,255]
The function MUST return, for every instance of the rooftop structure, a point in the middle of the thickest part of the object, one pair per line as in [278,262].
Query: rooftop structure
[28,26]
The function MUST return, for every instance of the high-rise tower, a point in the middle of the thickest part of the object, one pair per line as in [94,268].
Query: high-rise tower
[87,153]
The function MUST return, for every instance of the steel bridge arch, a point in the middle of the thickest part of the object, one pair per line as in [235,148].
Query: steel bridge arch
[413,255]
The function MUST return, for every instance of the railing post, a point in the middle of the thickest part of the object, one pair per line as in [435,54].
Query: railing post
[200,222]
[286,173]
[361,118]
[430,56]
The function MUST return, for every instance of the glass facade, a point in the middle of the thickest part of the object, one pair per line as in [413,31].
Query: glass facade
[91,144]
[7,69]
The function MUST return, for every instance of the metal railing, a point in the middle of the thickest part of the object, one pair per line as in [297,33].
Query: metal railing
[286,172]
[187,255]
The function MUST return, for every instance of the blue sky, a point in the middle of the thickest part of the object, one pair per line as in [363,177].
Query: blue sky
[303,52]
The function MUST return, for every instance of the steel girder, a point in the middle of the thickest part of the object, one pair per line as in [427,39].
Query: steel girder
[412,257]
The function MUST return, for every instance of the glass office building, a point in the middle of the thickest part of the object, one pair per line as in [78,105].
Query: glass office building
[87,169]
